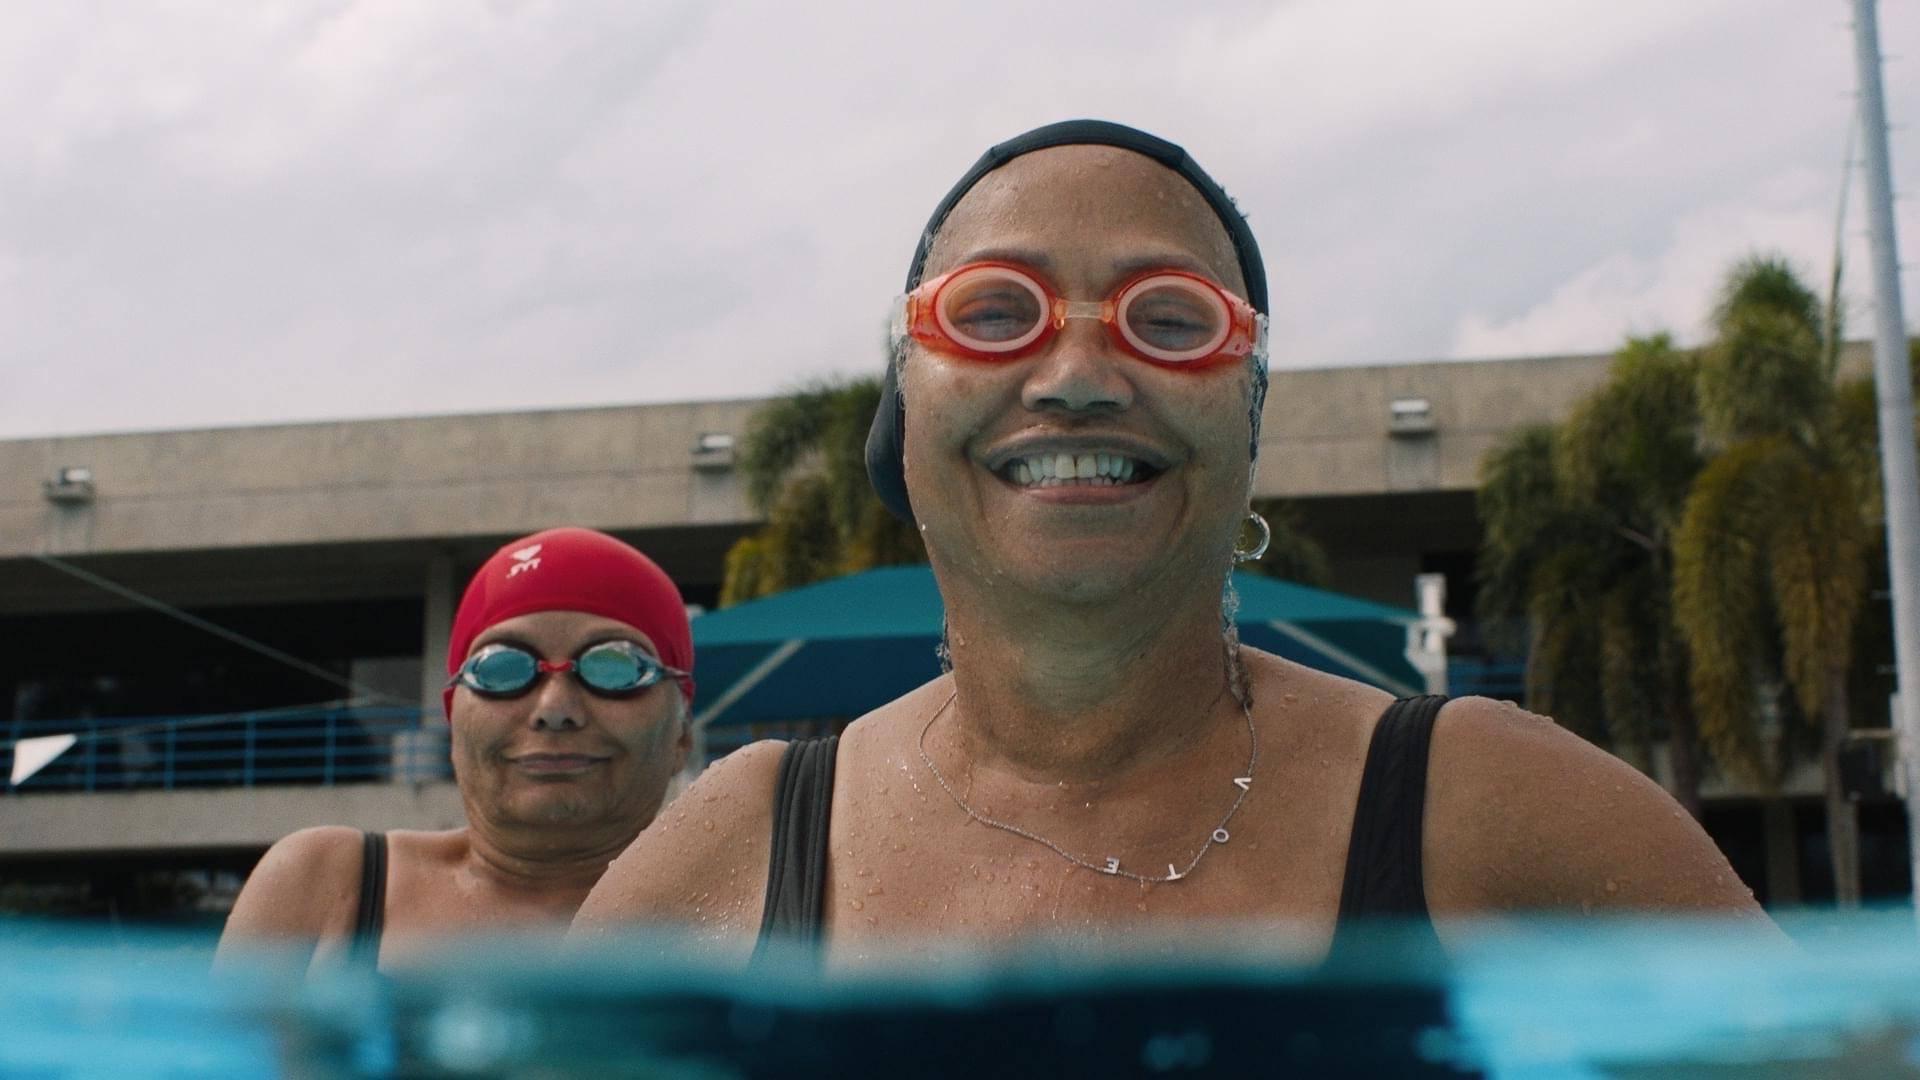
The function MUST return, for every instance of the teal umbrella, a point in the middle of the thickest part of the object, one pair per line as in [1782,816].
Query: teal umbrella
[836,649]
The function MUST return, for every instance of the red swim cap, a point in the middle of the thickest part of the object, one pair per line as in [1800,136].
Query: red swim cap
[573,569]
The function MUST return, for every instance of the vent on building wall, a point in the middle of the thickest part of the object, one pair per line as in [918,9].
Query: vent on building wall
[1408,417]
[713,450]
[72,484]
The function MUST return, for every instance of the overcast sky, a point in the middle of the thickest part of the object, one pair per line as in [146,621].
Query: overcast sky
[232,213]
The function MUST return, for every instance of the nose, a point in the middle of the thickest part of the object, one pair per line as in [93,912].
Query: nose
[557,703]
[1079,371]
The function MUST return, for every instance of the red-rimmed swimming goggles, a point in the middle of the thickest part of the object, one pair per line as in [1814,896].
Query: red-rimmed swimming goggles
[999,311]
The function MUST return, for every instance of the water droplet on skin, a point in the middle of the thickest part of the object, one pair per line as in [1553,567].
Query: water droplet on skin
[1613,886]
[857,904]
[863,872]
[707,824]
[899,845]
[877,890]
[871,921]
[1033,864]
[1142,905]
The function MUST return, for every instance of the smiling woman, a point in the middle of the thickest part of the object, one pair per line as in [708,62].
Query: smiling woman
[1072,420]
[568,695]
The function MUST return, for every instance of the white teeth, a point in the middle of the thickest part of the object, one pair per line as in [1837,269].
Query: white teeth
[1054,470]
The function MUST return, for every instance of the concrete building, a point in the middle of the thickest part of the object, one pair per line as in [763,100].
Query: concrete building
[344,544]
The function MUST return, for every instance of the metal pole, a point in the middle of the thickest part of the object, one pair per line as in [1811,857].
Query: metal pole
[1894,386]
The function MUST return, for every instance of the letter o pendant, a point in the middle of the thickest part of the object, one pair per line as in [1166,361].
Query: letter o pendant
[1220,836]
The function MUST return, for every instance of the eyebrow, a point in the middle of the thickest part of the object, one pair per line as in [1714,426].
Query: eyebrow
[1121,267]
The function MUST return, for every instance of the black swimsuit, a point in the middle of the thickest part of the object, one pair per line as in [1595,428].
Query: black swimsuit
[1384,874]
[372,918]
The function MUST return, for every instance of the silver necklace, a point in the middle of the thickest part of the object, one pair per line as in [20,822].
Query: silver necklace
[1111,866]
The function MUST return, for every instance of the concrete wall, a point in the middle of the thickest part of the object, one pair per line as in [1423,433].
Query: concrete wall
[631,468]
[158,821]
[373,480]
[1326,432]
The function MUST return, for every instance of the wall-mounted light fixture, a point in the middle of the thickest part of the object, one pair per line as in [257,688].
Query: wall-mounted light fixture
[1409,417]
[71,484]
[713,450]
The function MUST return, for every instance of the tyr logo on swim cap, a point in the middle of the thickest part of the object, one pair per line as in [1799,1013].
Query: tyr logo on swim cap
[574,569]
[886,467]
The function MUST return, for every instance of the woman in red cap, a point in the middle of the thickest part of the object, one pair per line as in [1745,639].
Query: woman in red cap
[569,693]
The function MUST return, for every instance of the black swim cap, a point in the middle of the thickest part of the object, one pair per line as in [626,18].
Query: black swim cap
[886,466]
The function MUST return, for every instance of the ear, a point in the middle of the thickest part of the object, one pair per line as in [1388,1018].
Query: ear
[685,741]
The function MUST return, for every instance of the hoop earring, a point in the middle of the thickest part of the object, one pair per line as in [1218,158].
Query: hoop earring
[1259,548]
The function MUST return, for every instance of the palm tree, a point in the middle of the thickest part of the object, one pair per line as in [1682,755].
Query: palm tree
[1770,558]
[803,460]
[1578,519]
[1626,457]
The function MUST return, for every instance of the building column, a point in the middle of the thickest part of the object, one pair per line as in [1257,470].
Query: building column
[414,751]
[436,628]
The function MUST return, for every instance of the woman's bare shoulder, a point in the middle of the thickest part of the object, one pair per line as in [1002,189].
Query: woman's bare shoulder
[1522,814]
[305,888]
[702,864]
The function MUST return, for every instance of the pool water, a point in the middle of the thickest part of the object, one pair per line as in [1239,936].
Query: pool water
[1594,998]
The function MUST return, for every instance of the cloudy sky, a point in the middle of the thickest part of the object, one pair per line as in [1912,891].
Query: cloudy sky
[232,213]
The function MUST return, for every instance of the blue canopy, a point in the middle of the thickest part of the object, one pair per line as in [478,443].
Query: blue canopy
[838,648]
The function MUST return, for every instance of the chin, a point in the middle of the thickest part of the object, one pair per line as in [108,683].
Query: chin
[1077,584]
[563,810]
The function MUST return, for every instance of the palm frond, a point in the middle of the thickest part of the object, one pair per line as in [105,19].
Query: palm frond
[1817,563]
[1762,377]
[1767,283]
[780,437]
[1719,598]
[1625,666]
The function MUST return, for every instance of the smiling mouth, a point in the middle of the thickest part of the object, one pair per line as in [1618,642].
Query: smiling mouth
[1092,469]
[556,762]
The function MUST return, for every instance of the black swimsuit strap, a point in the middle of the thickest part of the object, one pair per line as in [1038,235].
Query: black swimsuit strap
[372,917]
[1385,875]
[797,866]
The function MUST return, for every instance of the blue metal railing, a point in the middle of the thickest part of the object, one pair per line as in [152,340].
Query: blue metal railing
[313,746]
[1502,679]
